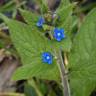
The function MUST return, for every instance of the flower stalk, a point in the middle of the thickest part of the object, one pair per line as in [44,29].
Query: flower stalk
[64,77]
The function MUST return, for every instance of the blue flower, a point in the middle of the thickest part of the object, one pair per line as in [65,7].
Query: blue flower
[47,57]
[59,34]
[40,22]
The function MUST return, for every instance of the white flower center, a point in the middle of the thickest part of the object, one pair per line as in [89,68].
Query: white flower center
[47,57]
[59,34]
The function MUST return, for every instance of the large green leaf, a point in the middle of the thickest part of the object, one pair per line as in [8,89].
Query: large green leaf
[37,69]
[83,58]
[30,44]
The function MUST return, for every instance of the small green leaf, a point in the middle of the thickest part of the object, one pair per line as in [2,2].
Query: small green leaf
[65,21]
[65,14]
[9,6]
[43,6]
[63,3]
[82,59]
[30,17]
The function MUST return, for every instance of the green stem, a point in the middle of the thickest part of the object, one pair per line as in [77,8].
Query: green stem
[65,83]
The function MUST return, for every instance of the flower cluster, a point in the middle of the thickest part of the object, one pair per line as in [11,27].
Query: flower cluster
[57,33]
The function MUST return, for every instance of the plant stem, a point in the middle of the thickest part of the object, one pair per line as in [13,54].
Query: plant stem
[65,84]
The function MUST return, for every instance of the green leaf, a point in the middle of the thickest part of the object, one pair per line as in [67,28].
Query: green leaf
[30,17]
[65,22]
[63,3]
[29,90]
[34,84]
[30,44]
[43,6]
[37,69]
[83,58]
[9,6]
[65,14]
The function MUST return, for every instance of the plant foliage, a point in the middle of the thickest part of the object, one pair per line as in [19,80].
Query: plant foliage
[30,43]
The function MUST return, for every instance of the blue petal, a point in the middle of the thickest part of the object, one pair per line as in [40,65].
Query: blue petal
[63,35]
[59,39]
[40,22]
[62,32]
[56,30]
[50,62]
